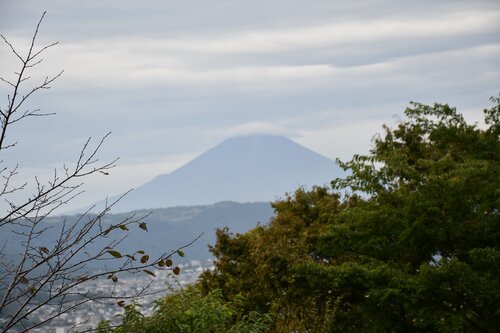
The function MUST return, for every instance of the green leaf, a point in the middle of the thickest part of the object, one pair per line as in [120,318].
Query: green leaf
[115,254]
[123,227]
[143,226]
[140,252]
[180,253]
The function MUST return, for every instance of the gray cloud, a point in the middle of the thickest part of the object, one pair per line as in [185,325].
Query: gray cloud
[171,79]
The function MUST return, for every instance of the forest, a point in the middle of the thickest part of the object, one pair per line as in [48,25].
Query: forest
[409,241]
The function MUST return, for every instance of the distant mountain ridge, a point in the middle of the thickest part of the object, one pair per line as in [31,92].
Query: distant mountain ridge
[251,168]
[168,229]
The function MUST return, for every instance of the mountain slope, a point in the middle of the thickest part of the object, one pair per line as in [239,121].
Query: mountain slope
[242,169]
[168,229]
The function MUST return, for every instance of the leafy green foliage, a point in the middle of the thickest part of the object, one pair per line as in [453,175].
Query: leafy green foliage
[189,311]
[412,245]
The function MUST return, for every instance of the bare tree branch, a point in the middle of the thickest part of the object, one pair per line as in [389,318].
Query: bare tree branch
[55,274]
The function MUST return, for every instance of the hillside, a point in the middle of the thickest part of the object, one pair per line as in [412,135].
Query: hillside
[168,228]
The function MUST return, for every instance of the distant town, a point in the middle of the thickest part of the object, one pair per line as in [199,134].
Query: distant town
[88,316]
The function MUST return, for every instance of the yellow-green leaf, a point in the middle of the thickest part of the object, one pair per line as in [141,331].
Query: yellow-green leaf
[115,254]
[107,231]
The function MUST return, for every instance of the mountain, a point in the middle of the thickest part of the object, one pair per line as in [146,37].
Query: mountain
[242,169]
[168,229]
[229,185]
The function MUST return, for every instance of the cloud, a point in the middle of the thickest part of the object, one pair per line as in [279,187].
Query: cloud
[341,141]
[179,77]
[260,128]
[104,73]
[362,31]
[257,56]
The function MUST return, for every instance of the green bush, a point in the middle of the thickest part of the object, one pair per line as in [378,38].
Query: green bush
[188,311]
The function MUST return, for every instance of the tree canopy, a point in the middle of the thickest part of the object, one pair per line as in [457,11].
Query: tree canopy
[409,241]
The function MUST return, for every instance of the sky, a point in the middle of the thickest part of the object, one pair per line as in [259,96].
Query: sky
[171,79]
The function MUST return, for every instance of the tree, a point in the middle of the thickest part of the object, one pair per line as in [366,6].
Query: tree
[190,311]
[411,245]
[258,264]
[53,276]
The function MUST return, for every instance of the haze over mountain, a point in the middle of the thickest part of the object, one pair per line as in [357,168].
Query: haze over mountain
[250,168]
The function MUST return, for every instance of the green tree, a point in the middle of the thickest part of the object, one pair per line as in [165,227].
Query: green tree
[188,311]
[258,264]
[411,245]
